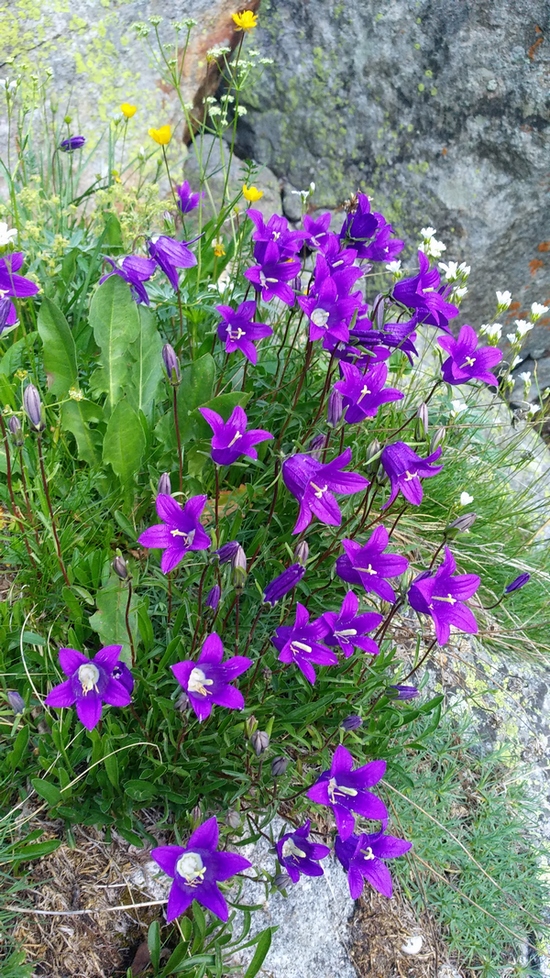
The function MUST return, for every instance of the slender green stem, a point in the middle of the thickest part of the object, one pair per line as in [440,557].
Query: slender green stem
[127,620]
[178,435]
[50,508]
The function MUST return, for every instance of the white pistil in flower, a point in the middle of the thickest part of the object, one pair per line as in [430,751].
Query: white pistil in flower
[367,570]
[198,682]
[410,475]
[468,362]
[319,317]
[345,633]
[364,392]
[291,849]
[191,868]
[186,537]
[88,675]
[235,334]
[234,439]
[448,599]
[338,789]
[318,490]
[299,647]
[368,853]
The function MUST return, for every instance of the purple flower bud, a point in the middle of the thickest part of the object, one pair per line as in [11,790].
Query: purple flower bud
[16,701]
[233,819]
[5,309]
[212,599]
[226,552]
[402,692]
[279,766]
[316,446]
[164,485]
[437,439]
[238,568]
[352,722]
[171,364]
[260,742]
[33,407]
[73,142]
[517,583]
[460,525]
[335,408]
[301,552]
[372,463]
[281,881]
[284,583]
[120,567]
[14,425]
[422,420]
[182,703]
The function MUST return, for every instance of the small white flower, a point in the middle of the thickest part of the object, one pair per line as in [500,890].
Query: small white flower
[525,377]
[504,299]
[6,234]
[450,270]
[522,326]
[241,110]
[457,407]
[516,362]
[394,267]
[312,187]
[533,409]
[432,248]
[428,233]
[492,330]
[511,337]
[464,269]
[538,310]
[459,293]
[466,499]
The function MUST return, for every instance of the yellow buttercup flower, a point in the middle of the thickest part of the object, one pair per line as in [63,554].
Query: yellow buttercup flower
[128,110]
[219,249]
[246,20]
[252,194]
[161,136]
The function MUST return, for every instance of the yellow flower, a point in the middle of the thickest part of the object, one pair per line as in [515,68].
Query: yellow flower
[251,194]
[246,20]
[128,110]
[161,136]
[219,249]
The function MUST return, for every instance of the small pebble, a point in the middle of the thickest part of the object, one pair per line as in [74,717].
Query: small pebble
[412,945]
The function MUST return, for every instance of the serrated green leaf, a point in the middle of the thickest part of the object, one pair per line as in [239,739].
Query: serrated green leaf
[59,350]
[124,443]
[76,417]
[115,322]
[146,371]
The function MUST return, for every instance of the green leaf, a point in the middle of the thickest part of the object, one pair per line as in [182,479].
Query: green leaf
[146,372]
[112,769]
[124,443]
[36,850]
[47,791]
[76,417]
[17,356]
[177,956]
[264,943]
[115,322]
[19,748]
[195,389]
[109,621]
[153,943]
[59,351]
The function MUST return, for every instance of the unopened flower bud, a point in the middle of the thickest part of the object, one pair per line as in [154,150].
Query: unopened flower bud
[171,364]
[250,726]
[233,819]
[212,599]
[301,552]
[352,722]
[120,567]
[281,881]
[379,305]
[284,583]
[238,569]
[372,463]
[279,766]
[33,407]
[517,583]
[402,692]
[182,703]
[260,742]
[316,446]
[335,408]
[5,309]
[437,439]
[14,425]
[16,701]
[422,421]
[460,525]
[164,485]
[226,552]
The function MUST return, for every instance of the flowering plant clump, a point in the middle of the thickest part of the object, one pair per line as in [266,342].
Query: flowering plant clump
[293,402]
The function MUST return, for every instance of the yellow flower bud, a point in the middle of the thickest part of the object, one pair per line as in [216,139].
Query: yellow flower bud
[251,194]
[246,20]
[161,136]
[128,110]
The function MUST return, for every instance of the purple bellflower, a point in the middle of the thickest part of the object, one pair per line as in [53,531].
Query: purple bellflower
[196,869]
[423,293]
[271,276]
[370,233]
[362,855]
[313,483]
[348,629]
[298,855]
[317,229]
[71,143]
[187,200]
[363,393]
[207,681]
[400,692]
[466,361]
[135,271]
[179,532]
[405,469]
[369,565]
[517,583]
[13,285]
[231,440]
[284,583]
[170,255]
[212,599]
[239,331]
[299,643]
[345,791]
[90,683]
[276,230]
[442,595]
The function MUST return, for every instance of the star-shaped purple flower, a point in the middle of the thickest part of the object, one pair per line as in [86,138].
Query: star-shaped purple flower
[405,469]
[299,643]
[363,393]
[134,270]
[362,855]
[239,331]
[196,869]
[466,360]
[187,200]
[179,532]
[298,855]
[369,565]
[313,483]
[317,229]
[424,293]
[92,682]
[442,596]
[170,255]
[345,791]
[14,285]
[370,233]
[276,230]
[271,276]
[231,440]
[207,681]
[348,629]
[330,307]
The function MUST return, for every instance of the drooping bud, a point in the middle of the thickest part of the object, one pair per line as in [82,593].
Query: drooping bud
[316,446]
[171,364]
[233,819]
[16,701]
[460,525]
[14,425]
[120,567]
[437,439]
[33,407]
[517,583]
[352,722]
[379,304]
[281,881]
[238,568]
[301,552]
[335,408]
[164,485]
[402,692]
[279,766]
[212,599]
[226,552]
[260,742]
[422,421]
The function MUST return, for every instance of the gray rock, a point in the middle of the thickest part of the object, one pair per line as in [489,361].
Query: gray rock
[208,161]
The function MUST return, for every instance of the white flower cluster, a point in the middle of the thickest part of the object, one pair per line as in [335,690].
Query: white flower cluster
[503,300]
[6,234]
[453,272]
[538,310]
[493,331]
[429,244]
